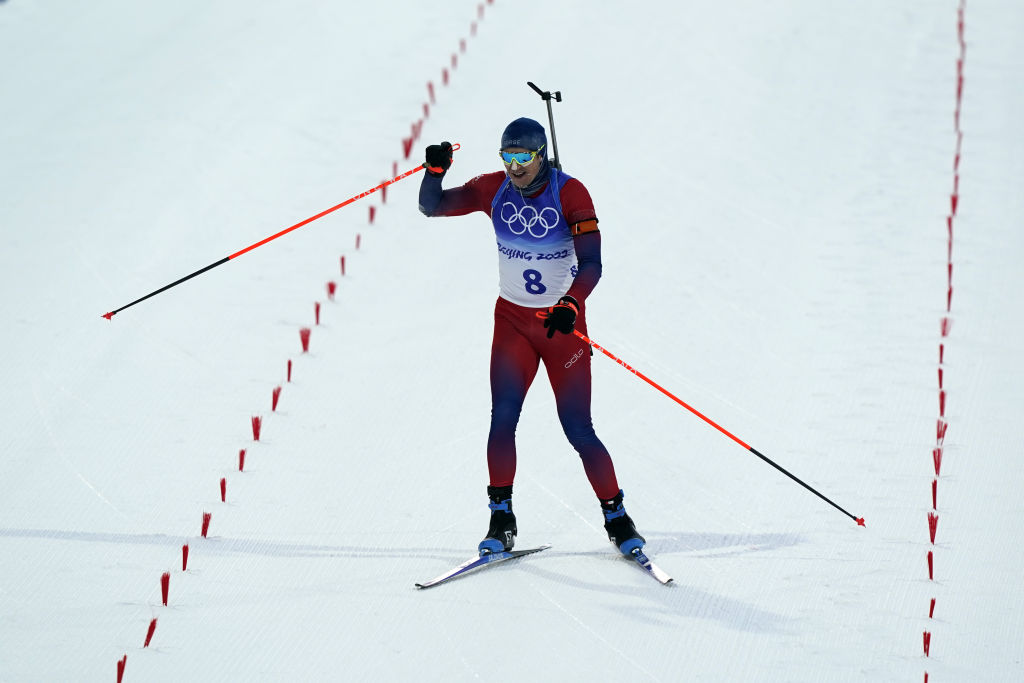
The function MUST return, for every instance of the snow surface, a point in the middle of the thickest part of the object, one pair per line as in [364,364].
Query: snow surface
[773,181]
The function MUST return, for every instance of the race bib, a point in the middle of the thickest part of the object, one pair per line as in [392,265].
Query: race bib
[536,258]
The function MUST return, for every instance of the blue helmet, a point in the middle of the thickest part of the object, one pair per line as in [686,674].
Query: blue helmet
[526,133]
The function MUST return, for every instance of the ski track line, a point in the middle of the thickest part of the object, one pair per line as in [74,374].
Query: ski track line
[257,422]
[945,325]
[44,418]
[597,636]
[458,649]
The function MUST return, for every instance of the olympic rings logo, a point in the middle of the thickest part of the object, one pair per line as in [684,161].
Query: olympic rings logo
[521,220]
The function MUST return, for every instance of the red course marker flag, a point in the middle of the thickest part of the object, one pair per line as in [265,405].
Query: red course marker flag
[149,633]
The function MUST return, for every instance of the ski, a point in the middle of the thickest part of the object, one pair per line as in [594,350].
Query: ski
[638,556]
[480,561]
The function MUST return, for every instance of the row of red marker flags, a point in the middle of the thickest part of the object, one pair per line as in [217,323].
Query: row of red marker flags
[305,332]
[946,324]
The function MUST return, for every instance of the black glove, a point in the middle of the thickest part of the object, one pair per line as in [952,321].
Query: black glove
[439,159]
[561,316]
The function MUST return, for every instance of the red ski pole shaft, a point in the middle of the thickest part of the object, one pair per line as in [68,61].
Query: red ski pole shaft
[859,520]
[273,237]
[325,212]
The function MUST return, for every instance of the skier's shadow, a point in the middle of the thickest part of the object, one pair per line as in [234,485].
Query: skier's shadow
[718,545]
[220,545]
[663,605]
[653,604]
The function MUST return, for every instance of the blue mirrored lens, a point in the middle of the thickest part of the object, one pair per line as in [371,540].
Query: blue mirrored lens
[518,157]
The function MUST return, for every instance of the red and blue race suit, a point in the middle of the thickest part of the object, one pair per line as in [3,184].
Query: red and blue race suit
[548,246]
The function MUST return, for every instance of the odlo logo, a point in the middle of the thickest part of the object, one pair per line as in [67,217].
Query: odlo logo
[576,357]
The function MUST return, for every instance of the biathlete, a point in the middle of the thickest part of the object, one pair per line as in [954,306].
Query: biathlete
[549,261]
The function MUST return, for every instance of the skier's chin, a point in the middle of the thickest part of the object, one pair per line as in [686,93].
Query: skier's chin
[519,181]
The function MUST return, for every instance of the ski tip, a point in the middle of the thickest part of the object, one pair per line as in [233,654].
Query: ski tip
[108,316]
[860,522]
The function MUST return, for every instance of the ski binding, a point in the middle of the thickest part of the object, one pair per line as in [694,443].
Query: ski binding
[638,556]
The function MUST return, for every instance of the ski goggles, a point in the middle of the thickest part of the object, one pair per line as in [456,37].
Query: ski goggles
[521,158]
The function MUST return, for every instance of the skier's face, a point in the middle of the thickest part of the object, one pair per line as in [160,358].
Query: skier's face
[522,176]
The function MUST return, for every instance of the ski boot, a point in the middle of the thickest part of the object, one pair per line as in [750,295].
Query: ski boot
[501,535]
[621,530]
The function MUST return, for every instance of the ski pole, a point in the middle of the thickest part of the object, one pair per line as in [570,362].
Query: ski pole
[859,520]
[546,96]
[298,225]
